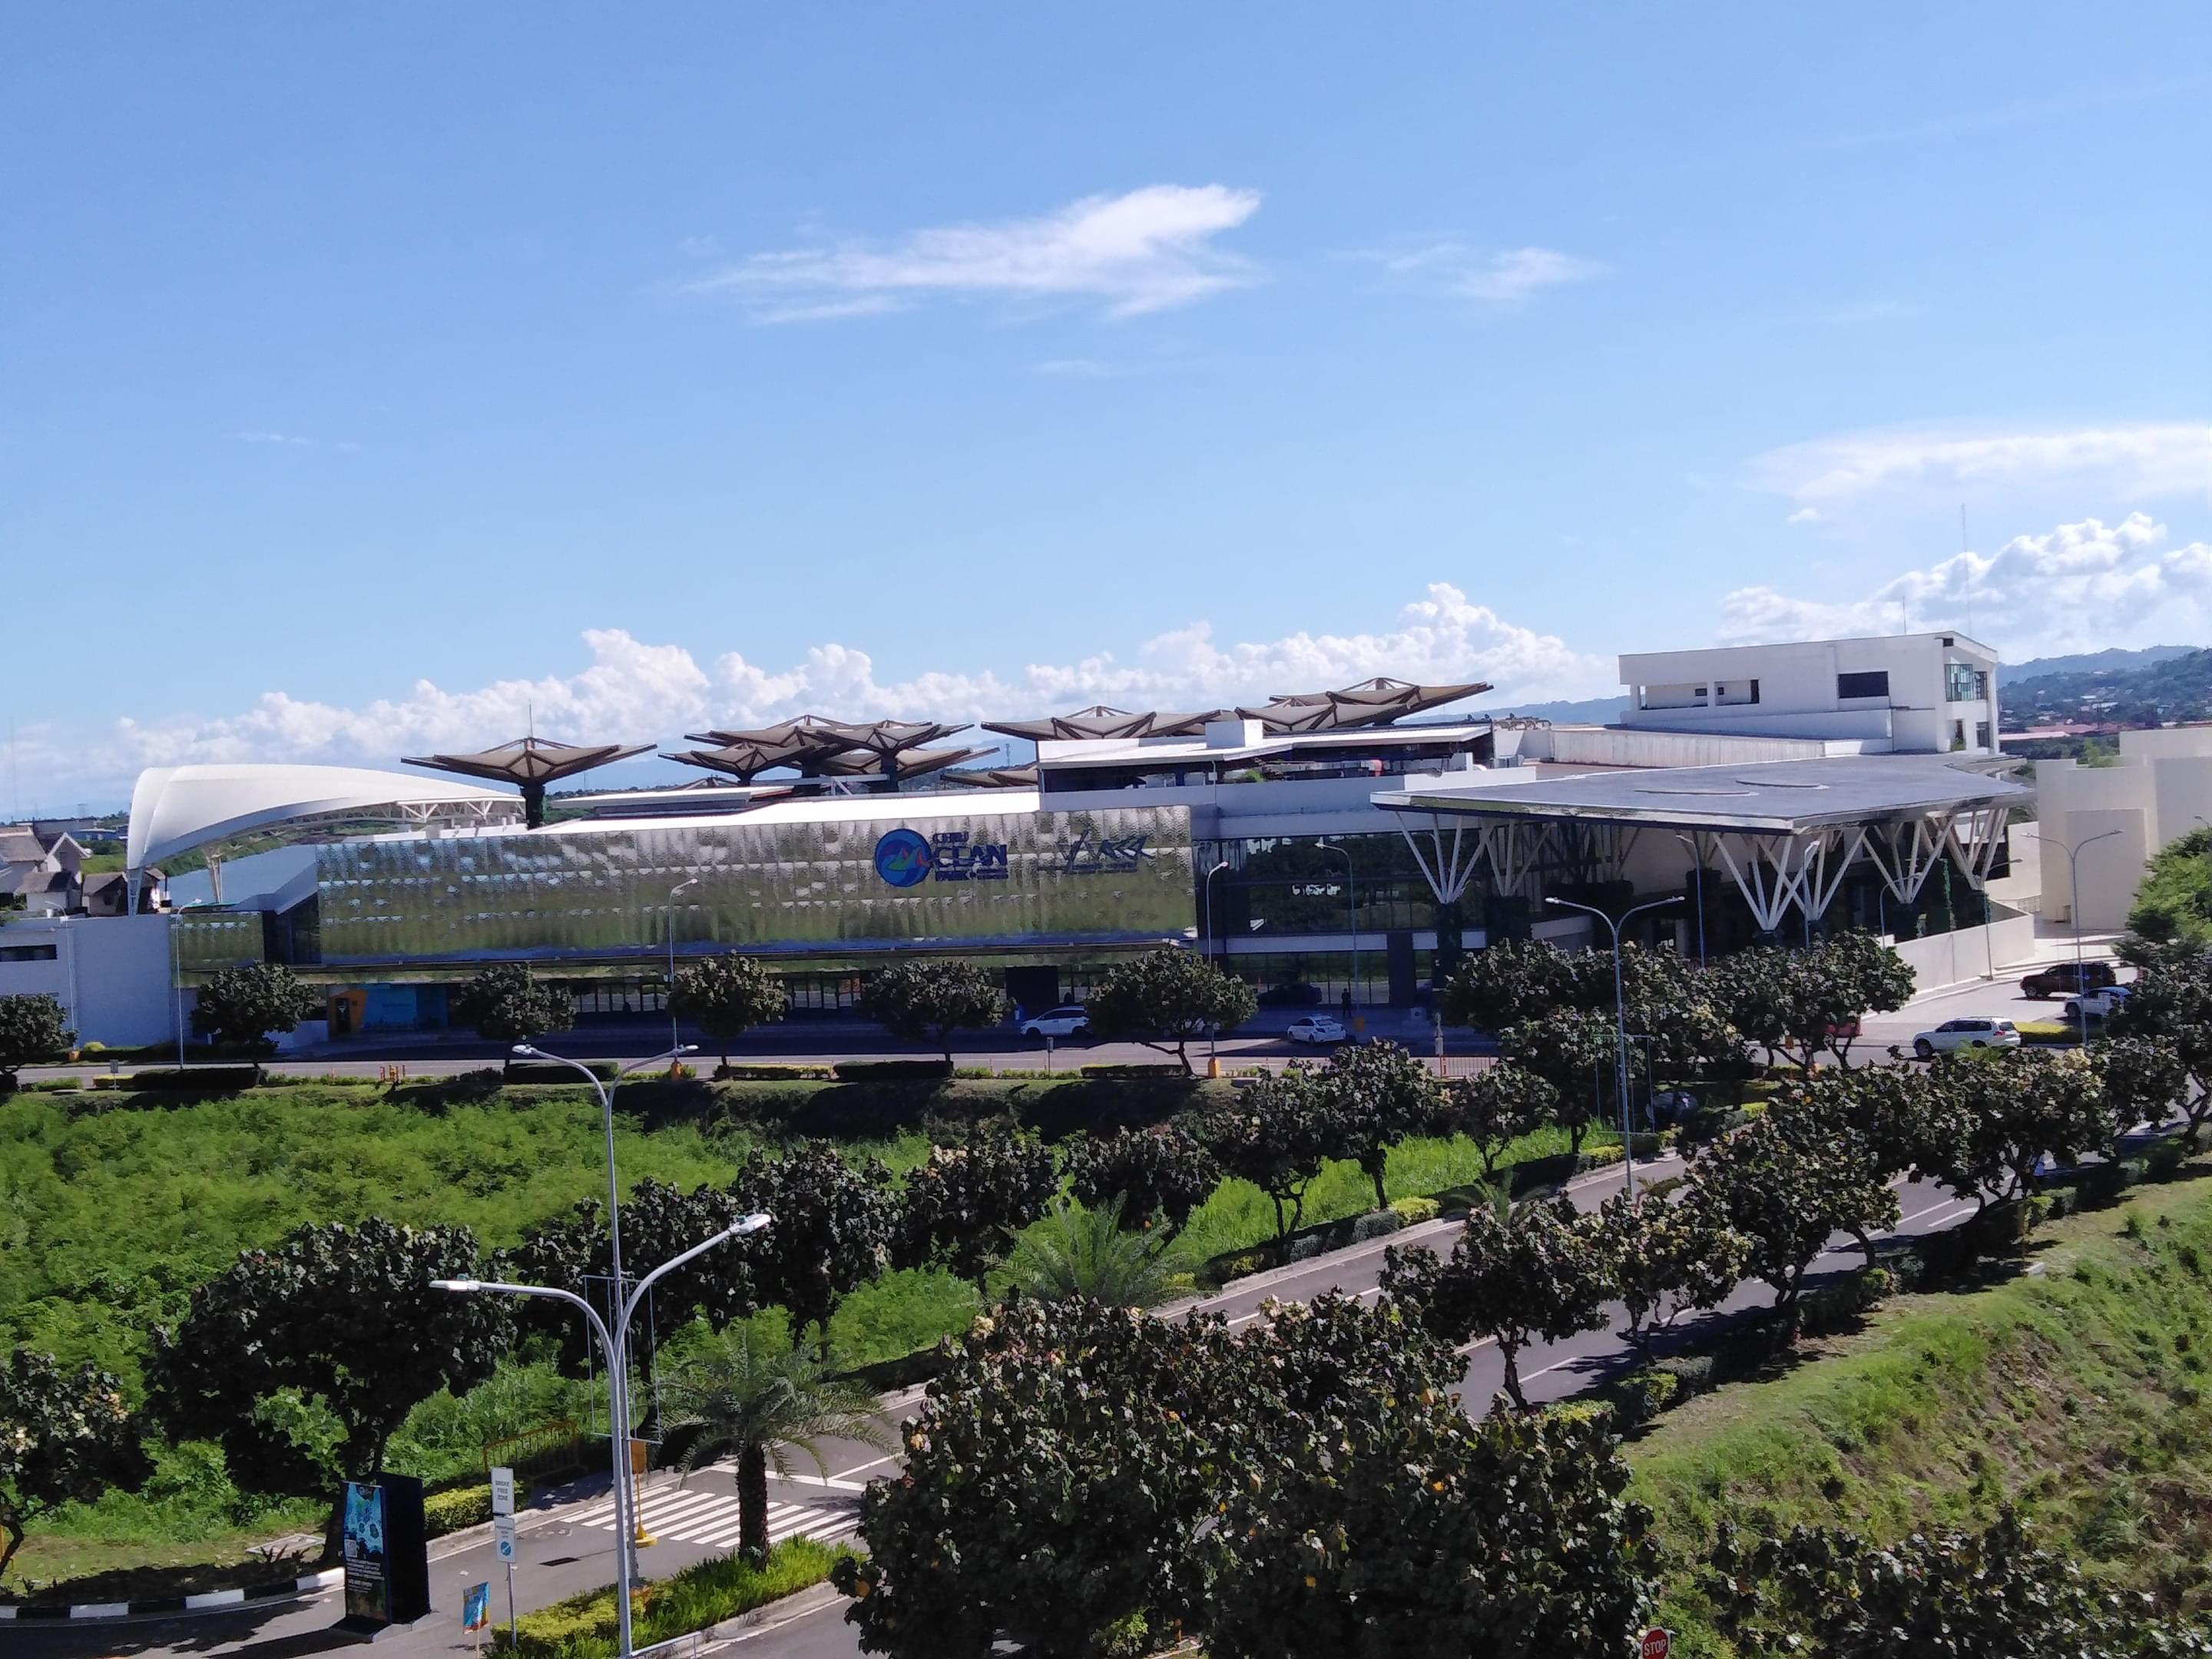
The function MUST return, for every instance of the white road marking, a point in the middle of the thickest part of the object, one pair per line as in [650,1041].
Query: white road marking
[712,1518]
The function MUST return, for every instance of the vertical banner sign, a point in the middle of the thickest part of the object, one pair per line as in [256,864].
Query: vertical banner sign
[367,1575]
[476,1607]
[502,1492]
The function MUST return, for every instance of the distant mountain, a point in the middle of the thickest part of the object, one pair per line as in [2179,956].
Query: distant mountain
[2121,688]
[2089,662]
[1591,711]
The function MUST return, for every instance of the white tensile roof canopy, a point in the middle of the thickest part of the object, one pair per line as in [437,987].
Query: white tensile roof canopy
[174,809]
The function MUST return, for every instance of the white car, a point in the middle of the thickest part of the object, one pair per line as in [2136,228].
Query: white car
[1068,1020]
[1954,1034]
[1316,1027]
[2097,1005]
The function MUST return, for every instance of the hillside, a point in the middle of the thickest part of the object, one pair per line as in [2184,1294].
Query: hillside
[2114,661]
[2173,688]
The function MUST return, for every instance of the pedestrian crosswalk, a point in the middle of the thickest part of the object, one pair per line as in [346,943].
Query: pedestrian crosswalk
[699,1515]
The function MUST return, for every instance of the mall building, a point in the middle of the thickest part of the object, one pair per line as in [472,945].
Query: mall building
[1320,844]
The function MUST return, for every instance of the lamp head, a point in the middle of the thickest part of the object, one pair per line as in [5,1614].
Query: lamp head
[462,1285]
[1548,899]
[745,1226]
[525,1050]
[687,1048]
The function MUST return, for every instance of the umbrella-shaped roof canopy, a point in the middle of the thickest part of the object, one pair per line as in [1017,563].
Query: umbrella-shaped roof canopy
[1101,721]
[1377,701]
[530,763]
[912,763]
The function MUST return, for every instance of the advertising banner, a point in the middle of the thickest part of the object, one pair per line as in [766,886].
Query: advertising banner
[387,1555]
[367,1569]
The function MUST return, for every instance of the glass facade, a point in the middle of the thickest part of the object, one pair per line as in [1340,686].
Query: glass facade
[782,887]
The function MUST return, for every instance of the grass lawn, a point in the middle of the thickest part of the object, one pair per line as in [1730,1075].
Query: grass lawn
[2074,1386]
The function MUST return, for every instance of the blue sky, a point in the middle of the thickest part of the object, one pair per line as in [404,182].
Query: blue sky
[369,374]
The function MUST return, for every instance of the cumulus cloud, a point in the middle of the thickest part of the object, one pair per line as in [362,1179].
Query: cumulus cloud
[2081,584]
[634,690]
[1493,276]
[1146,249]
[2140,460]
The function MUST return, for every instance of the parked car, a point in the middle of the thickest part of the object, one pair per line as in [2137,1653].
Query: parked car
[1298,995]
[1068,1020]
[2097,1004]
[1316,1027]
[2066,978]
[1954,1034]
[1669,1107]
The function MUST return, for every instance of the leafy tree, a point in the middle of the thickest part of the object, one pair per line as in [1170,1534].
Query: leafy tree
[1166,999]
[342,1316]
[2174,902]
[2144,1078]
[1990,1594]
[1795,1003]
[1495,1106]
[728,995]
[1368,1515]
[505,1004]
[2021,1104]
[918,999]
[1665,1259]
[1376,1094]
[835,1227]
[1162,1173]
[1577,1053]
[964,1204]
[660,1222]
[735,1394]
[32,1030]
[1521,1273]
[1058,1478]
[1513,980]
[242,1006]
[2171,1000]
[1276,1135]
[1091,1255]
[66,1437]
[1787,1187]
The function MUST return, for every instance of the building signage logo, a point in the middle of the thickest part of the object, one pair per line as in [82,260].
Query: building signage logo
[1115,854]
[904,858]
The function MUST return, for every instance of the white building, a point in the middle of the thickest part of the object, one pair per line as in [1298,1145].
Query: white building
[1893,694]
[2160,790]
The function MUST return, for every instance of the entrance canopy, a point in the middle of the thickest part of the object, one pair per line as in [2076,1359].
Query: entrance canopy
[1787,831]
[175,809]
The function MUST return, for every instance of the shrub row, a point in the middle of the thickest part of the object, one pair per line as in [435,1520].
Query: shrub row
[700,1596]
[455,1510]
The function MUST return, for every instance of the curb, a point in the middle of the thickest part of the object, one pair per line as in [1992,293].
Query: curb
[206,1602]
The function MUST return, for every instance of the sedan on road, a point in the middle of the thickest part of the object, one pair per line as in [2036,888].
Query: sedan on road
[2097,1004]
[1068,1020]
[1316,1027]
[1954,1034]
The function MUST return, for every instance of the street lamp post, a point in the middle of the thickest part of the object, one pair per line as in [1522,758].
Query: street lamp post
[1619,1016]
[672,892]
[1351,885]
[2073,905]
[1212,954]
[614,1348]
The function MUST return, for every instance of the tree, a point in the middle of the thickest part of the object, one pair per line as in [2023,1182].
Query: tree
[916,999]
[1665,1259]
[505,1004]
[32,1030]
[1495,1106]
[1786,1188]
[1166,999]
[1513,980]
[1059,1477]
[1365,1514]
[1578,1054]
[2171,1001]
[1088,1254]
[1949,1595]
[2174,902]
[2143,1079]
[66,1437]
[728,995]
[343,1316]
[1162,1173]
[964,1203]
[734,1394]
[242,1006]
[1797,1003]
[1276,1135]
[2023,1105]
[1376,1094]
[1521,1273]
[835,1227]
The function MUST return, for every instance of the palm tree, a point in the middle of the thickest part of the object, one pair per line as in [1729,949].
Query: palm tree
[1085,1253]
[760,1399]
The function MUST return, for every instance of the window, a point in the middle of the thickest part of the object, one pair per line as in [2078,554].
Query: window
[27,953]
[1873,683]
[1964,683]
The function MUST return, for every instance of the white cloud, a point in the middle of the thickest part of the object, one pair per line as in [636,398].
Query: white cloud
[2144,459]
[1493,277]
[633,690]
[2084,584]
[1147,250]
[1804,515]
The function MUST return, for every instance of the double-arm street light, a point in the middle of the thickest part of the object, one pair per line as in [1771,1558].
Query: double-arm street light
[1620,1017]
[614,1349]
[1351,885]
[2073,905]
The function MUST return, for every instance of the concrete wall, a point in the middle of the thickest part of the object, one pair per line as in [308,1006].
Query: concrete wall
[110,973]
[1951,959]
[2160,790]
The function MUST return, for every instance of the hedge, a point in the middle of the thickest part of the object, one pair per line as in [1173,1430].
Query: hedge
[455,1510]
[197,1079]
[698,1598]
[908,1071]
[545,1071]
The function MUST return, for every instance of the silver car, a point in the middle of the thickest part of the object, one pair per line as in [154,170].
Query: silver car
[1976,1032]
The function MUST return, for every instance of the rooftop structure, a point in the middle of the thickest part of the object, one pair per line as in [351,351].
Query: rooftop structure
[530,763]
[815,746]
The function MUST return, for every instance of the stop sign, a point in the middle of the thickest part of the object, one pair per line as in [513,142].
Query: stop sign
[1656,1644]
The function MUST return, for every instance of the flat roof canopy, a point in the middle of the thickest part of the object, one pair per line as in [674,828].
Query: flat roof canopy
[1765,798]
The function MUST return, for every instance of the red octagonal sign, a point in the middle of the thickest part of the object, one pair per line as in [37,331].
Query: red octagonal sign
[1656,1644]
